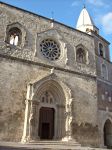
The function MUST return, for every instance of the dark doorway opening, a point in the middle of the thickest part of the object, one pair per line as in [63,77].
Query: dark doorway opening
[46,123]
[108,134]
[45,130]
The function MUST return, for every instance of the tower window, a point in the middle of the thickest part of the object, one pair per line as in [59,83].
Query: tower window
[101,52]
[14,36]
[104,71]
[80,55]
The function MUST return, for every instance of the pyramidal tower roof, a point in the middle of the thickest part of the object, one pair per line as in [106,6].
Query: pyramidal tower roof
[85,22]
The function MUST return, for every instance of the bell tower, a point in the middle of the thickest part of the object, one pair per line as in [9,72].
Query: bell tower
[85,22]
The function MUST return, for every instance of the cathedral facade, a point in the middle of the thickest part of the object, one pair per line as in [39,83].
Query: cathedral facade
[55,81]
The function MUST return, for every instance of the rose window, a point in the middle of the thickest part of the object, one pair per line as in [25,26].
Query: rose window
[50,49]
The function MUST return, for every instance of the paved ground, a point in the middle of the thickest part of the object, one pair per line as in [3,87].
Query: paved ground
[43,146]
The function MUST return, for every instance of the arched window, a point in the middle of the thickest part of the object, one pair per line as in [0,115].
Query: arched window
[108,134]
[14,36]
[104,71]
[101,51]
[81,55]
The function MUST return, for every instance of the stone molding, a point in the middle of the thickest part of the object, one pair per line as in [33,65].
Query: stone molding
[92,77]
[63,108]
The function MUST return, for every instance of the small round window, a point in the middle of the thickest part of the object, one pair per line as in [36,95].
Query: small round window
[50,49]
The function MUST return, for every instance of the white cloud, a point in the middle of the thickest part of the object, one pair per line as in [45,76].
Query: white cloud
[96,2]
[107,23]
[75,3]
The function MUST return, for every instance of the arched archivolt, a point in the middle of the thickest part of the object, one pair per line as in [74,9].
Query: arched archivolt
[52,88]
[107,130]
[46,94]
[51,82]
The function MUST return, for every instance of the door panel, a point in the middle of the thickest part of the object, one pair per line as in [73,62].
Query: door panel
[46,123]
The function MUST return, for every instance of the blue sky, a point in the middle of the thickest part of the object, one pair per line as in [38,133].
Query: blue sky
[67,12]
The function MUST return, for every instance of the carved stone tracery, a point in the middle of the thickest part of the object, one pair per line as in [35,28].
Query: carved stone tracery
[50,49]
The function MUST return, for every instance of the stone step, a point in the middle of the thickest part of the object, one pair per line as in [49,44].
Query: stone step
[68,143]
[54,145]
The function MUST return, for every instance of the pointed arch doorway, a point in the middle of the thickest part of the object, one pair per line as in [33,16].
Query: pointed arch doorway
[51,109]
[108,134]
[46,123]
[50,99]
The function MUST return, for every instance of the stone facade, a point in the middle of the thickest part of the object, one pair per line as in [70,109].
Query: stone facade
[69,87]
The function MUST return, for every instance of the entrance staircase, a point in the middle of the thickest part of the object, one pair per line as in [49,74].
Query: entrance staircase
[44,145]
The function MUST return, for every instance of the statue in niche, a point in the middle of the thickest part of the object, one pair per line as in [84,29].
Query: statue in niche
[80,56]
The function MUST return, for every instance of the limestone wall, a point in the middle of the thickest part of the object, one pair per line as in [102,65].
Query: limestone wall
[13,82]
[22,64]
[14,77]
[34,29]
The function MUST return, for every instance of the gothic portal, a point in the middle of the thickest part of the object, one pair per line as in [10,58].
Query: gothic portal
[55,80]
[45,117]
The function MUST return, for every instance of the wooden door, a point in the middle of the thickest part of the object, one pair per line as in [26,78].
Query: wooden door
[46,123]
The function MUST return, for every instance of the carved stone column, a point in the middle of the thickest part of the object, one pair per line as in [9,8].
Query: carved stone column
[69,120]
[33,122]
[30,132]
[62,120]
[26,123]
[59,121]
[37,120]
[56,125]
